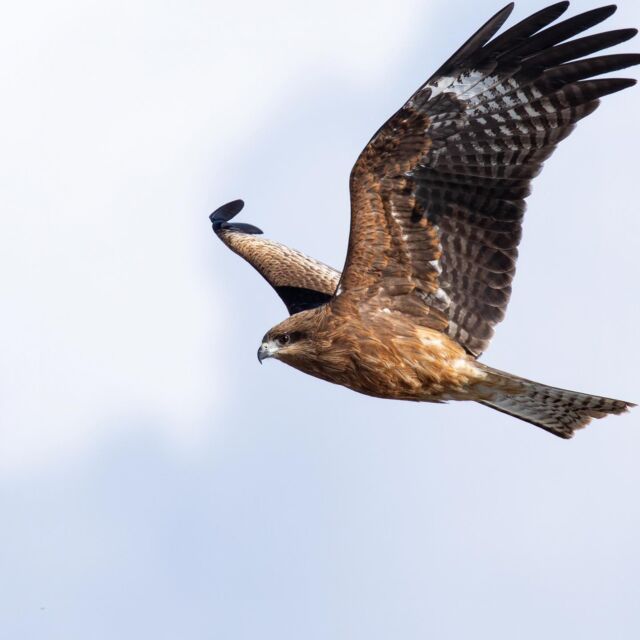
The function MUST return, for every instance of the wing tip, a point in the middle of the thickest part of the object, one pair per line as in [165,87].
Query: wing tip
[598,15]
[611,8]
[477,40]
[221,216]
[226,212]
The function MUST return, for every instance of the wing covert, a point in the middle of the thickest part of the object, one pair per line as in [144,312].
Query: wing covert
[300,281]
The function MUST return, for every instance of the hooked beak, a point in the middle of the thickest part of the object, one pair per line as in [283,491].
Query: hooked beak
[264,352]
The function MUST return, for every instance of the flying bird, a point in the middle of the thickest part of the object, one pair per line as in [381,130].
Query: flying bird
[437,202]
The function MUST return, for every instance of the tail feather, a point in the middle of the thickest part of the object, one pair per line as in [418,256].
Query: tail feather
[557,411]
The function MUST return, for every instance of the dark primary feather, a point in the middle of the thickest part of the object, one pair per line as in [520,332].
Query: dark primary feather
[522,30]
[438,193]
[582,47]
[480,37]
[226,212]
[221,216]
[559,32]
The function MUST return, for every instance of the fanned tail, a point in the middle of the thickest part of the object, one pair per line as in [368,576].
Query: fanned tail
[557,411]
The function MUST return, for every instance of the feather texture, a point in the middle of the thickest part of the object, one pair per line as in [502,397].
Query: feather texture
[437,196]
[300,281]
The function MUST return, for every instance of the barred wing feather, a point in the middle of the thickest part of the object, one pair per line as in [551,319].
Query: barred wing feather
[438,194]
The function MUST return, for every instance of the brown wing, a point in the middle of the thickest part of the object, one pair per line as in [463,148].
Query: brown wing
[301,282]
[437,196]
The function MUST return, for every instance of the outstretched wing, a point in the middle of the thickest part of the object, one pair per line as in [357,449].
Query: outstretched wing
[437,196]
[301,282]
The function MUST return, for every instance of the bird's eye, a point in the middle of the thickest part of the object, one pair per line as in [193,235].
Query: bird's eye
[284,339]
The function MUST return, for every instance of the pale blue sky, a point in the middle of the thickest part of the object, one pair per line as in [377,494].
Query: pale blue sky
[155,481]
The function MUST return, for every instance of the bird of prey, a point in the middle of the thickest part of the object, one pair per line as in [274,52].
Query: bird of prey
[437,201]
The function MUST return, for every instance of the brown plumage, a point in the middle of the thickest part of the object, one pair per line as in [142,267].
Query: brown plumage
[437,201]
[300,281]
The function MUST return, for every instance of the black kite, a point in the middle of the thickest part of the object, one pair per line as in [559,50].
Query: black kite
[437,201]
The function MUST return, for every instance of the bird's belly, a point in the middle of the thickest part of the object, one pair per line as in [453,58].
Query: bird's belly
[425,366]
[427,383]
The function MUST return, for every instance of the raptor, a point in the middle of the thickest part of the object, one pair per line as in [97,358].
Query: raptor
[437,202]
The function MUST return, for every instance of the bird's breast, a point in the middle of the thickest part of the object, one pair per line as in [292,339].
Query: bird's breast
[393,358]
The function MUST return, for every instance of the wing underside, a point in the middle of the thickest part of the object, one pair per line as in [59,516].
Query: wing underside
[300,281]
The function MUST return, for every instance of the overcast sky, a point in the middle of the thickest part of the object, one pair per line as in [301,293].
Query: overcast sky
[154,480]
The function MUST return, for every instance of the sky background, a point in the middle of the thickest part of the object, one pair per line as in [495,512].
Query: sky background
[156,482]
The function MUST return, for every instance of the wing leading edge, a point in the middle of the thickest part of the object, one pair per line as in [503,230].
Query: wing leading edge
[300,281]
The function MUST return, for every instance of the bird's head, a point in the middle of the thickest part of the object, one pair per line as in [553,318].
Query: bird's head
[292,341]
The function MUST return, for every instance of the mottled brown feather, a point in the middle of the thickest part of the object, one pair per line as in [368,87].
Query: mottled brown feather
[437,196]
[283,268]
[280,265]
